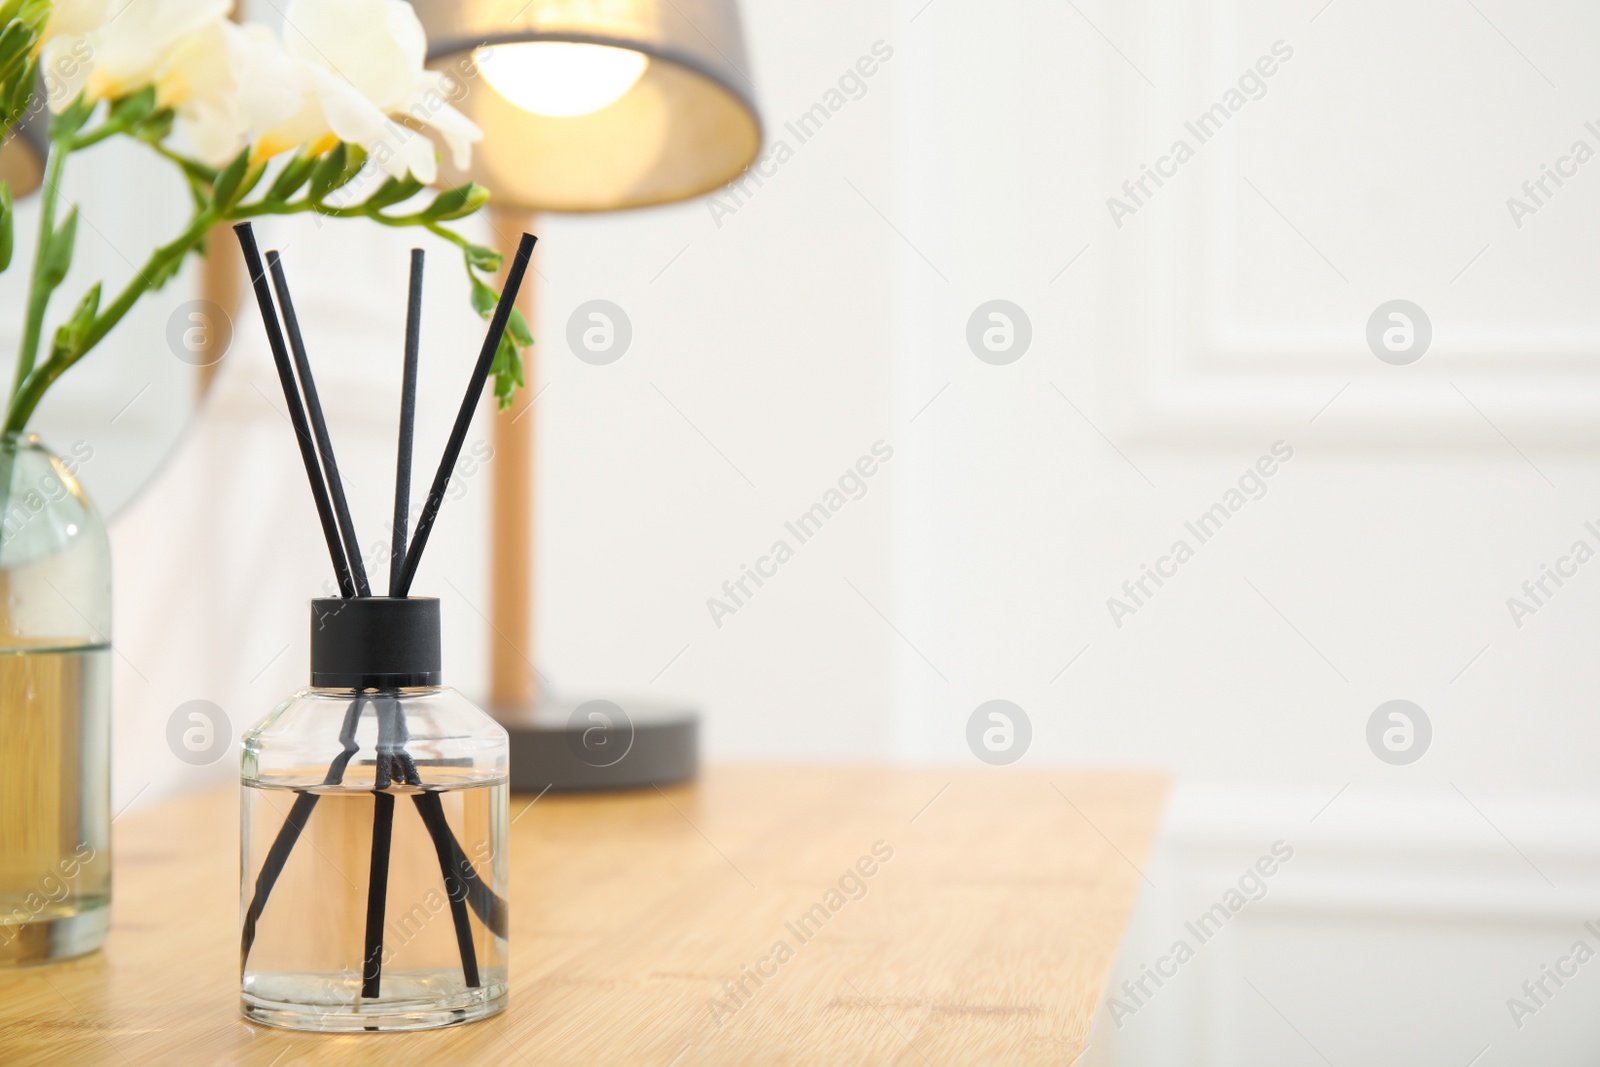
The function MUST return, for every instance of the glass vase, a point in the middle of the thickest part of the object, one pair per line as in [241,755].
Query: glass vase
[55,707]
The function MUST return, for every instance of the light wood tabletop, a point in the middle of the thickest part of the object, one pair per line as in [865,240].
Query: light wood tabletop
[925,916]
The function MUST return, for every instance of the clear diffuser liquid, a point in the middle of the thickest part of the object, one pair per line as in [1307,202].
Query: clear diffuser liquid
[55,859]
[309,966]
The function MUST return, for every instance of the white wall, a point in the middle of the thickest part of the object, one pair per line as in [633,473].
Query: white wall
[1204,330]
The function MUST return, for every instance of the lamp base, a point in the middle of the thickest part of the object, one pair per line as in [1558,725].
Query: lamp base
[599,744]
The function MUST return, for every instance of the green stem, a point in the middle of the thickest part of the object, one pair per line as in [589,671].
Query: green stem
[38,293]
[354,211]
[32,387]
[98,134]
[32,390]
[157,266]
[189,166]
[33,381]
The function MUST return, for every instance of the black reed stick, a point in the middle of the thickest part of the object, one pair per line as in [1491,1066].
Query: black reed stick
[408,419]
[453,862]
[289,832]
[377,891]
[297,416]
[319,426]
[456,885]
[455,888]
[489,906]
[458,433]
[390,743]
[271,867]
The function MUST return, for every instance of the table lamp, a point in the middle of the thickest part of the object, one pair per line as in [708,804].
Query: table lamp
[585,105]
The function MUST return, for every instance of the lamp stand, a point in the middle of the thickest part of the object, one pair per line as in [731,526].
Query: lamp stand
[513,679]
[555,744]
[219,287]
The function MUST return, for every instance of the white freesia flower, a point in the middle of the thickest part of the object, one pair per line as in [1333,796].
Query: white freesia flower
[361,68]
[110,48]
[227,82]
[346,70]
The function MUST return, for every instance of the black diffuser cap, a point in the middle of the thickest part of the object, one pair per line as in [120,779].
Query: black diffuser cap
[375,642]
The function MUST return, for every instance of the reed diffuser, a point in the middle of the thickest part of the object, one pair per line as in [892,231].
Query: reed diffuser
[374,811]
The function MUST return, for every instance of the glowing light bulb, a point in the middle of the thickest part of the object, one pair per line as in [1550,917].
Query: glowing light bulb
[559,78]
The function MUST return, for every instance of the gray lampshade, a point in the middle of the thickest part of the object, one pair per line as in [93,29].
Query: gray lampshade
[685,127]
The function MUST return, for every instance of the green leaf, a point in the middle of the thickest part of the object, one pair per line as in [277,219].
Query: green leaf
[198,172]
[507,371]
[336,170]
[155,128]
[294,174]
[251,178]
[23,22]
[483,298]
[18,99]
[83,315]
[229,186]
[58,253]
[165,273]
[64,127]
[61,345]
[69,337]
[169,262]
[517,329]
[134,109]
[7,225]
[393,191]
[36,13]
[481,258]
[327,171]
[456,203]
[19,92]
[199,192]
[15,40]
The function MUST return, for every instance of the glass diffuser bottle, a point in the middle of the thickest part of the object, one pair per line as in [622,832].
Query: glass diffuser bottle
[373,822]
[373,835]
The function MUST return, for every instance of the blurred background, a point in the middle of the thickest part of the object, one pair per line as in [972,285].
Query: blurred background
[1169,320]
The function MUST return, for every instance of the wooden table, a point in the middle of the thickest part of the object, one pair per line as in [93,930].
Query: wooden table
[982,935]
